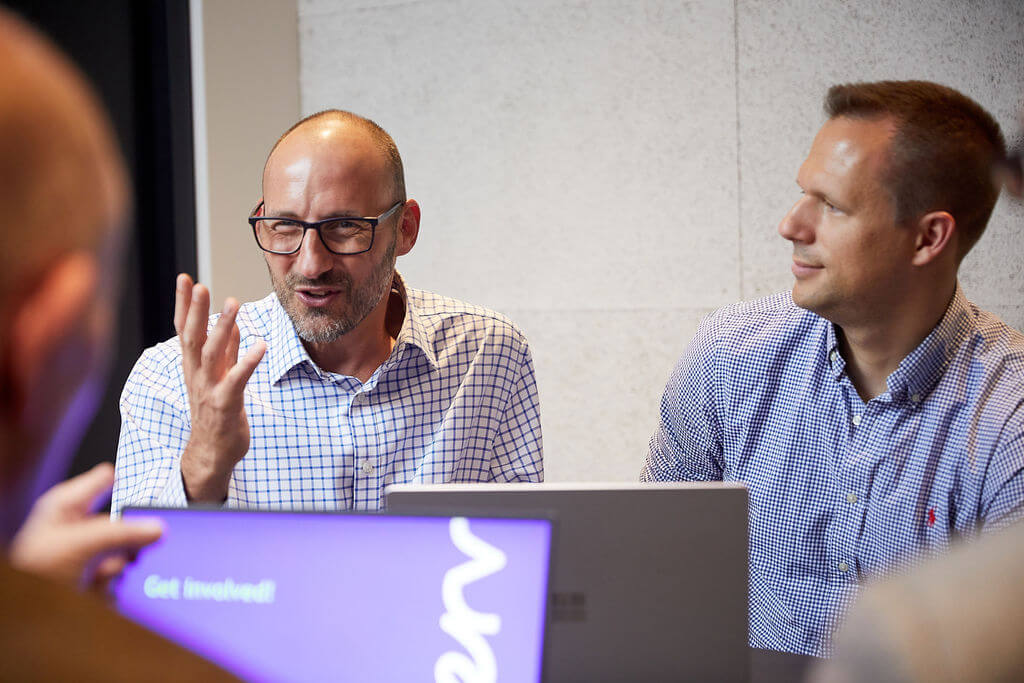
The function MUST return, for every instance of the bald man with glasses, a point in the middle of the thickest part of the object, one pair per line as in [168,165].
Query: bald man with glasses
[344,379]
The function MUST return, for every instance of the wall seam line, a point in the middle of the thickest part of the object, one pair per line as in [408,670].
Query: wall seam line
[739,165]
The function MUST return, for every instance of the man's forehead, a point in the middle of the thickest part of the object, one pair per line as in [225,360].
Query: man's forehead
[847,146]
[335,147]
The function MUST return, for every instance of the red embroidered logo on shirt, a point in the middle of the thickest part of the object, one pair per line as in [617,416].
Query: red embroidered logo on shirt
[931,517]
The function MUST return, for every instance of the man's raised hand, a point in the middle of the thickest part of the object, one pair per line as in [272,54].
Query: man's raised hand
[215,377]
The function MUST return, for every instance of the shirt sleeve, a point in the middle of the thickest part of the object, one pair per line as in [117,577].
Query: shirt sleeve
[687,444]
[155,428]
[518,452]
[1003,490]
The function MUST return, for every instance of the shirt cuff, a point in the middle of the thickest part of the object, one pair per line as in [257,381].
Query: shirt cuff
[173,493]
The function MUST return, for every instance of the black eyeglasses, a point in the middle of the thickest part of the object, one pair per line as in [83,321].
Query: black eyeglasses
[341,235]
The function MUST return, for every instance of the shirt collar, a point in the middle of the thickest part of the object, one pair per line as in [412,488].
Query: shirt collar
[414,331]
[835,359]
[285,349]
[918,373]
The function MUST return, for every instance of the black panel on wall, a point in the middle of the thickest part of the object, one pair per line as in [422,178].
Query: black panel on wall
[137,55]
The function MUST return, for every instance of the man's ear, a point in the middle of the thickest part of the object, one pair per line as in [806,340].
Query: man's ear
[52,340]
[936,235]
[408,228]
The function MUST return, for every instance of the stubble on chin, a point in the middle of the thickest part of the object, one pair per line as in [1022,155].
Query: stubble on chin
[323,326]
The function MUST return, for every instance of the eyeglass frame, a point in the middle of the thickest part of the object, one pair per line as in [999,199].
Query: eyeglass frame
[374,221]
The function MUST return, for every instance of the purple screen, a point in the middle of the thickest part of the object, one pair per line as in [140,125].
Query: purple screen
[309,596]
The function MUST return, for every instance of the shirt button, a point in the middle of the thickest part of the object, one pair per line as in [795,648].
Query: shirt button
[856,419]
[916,398]
[833,356]
[843,567]
[367,467]
[851,497]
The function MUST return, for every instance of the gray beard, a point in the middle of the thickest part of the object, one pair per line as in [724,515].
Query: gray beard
[317,326]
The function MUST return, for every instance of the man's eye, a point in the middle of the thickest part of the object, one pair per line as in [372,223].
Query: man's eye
[831,208]
[345,226]
[284,226]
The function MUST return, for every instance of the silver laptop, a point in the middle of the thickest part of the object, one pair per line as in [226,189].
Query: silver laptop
[648,583]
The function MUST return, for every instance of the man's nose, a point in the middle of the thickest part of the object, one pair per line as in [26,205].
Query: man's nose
[313,259]
[797,225]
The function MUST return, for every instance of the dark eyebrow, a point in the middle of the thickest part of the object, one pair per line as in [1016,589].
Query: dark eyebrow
[294,216]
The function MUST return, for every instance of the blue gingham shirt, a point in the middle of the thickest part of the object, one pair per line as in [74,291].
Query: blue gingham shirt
[456,401]
[842,490]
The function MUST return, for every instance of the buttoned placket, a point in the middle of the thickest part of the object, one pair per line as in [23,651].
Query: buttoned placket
[851,489]
[368,466]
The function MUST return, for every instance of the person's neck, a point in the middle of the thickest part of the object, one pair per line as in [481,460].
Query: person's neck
[874,348]
[361,350]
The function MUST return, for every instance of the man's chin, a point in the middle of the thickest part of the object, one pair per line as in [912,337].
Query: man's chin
[320,334]
[804,298]
[817,303]
[321,329]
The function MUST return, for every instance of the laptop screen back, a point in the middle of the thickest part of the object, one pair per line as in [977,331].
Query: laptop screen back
[328,596]
[650,582]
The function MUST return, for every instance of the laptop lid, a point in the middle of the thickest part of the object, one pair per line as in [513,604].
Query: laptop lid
[303,596]
[650,581]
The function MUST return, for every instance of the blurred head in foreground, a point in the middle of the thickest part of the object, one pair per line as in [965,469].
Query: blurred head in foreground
[64,195]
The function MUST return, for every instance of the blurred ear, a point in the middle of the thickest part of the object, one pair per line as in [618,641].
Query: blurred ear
[935,236]
[408,228]
[53,341]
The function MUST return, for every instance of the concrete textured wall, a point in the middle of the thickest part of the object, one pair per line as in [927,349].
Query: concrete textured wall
[607,173]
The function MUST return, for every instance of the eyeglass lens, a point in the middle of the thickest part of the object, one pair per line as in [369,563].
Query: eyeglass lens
[346,236]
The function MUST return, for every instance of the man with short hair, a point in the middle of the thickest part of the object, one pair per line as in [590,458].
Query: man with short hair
[366,382]
[874,413]
[955,618]
[65,201]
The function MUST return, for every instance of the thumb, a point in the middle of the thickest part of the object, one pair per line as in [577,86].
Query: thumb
[75,497]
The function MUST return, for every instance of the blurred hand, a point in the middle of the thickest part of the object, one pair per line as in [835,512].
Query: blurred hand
[1011,174]
[215,377]
[64,541]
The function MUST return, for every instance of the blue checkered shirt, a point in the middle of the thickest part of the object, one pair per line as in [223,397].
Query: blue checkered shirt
[456,401]
[842,490]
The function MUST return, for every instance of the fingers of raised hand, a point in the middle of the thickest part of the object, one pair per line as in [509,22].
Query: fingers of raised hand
[193,333]
[231,351]
[182,301]
[240,373]
[214,350]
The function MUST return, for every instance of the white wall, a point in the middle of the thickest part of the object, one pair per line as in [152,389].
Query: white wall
[245,68]
[606,173]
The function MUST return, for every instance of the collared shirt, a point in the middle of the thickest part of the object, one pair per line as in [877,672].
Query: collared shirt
[842,490]
[456,401]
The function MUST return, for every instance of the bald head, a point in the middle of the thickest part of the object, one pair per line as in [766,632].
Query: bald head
[62,182]
[337,126]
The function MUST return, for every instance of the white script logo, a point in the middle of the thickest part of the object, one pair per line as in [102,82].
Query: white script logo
[461,621]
